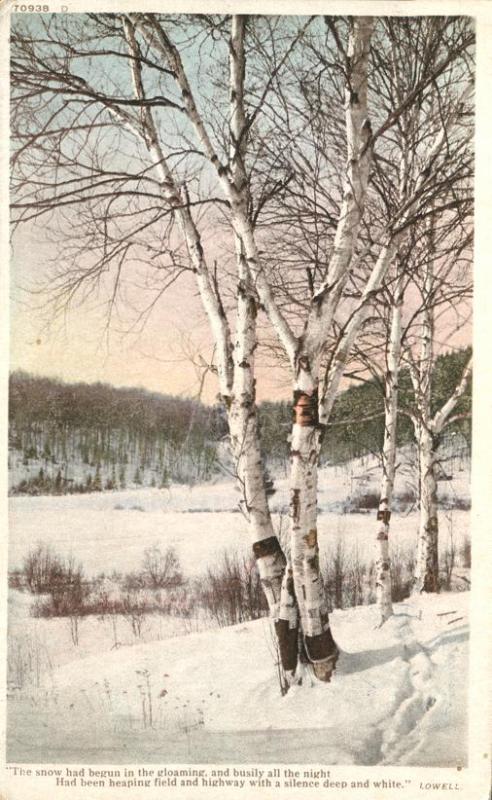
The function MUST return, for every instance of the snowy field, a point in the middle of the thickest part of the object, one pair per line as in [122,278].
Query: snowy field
[397,697]
[110,530]
[180,693]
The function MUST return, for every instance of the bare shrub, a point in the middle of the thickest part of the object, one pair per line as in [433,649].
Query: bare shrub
[334,574]
[453,502]
[67,590]
[231,591]
[62,580]
[161,570]
[356,581]
[41,568]
[448,559]
[347,578]
[28,660]
[361,503]
[402,566]
[16,580]
[134,609]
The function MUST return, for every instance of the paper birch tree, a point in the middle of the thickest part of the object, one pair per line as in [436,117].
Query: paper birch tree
[429,421]
[200,161]
[421,164]
[234,345]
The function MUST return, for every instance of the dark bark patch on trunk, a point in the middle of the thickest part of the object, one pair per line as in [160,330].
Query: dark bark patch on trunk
[321,646]
[432,525]
[322,432]
[305,409]
[314,565]
[295,504]
[289,584]
[266,547]
[311,538]
[431,583]
[384,515]
[287,643]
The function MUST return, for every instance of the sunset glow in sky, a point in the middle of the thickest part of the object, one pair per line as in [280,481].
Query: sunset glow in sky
[164,356]
[159,357]
[168,352]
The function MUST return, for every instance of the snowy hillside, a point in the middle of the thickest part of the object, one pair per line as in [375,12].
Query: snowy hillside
[397,697]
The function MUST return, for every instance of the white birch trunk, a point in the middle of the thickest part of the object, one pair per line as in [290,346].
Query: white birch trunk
[235,365]
[383,573]
[359,155]
[427,433]
[274,565]
[173,197]
[426,578]
[354,325]
[427,559]
[320,647]
[245,445]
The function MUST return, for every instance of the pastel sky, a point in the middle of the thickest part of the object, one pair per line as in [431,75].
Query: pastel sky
[160,356]
[164,356]
[78,346]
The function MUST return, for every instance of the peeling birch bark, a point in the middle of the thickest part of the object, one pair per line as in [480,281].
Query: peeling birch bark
[274,567]
[305,359]
[245,446]
[235,364]
[320,647]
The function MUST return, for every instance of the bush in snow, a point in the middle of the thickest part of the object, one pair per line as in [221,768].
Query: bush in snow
[161,570]
[44,570]
[231,591]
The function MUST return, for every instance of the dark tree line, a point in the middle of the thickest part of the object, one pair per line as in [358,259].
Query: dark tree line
[117,436]
[357,424]
[130,436]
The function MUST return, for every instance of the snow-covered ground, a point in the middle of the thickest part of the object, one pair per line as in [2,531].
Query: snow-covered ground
[398,697]
[183,694]
[109,531]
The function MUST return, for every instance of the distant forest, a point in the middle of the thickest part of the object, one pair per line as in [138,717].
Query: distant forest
[93,437]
